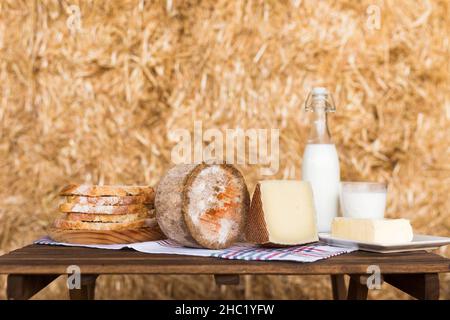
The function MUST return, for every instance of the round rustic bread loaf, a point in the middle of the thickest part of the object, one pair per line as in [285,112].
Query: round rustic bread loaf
[202,205]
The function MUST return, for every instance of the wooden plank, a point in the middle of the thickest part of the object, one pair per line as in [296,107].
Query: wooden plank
[198,267]
[42,251]
[420,286]
[87,290]
[40,259]
[226,279]
[23,287]
[338,287]
[193,268]
[356,289]
[351,258]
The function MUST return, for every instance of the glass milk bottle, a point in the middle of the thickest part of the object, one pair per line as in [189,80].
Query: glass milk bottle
[320,159]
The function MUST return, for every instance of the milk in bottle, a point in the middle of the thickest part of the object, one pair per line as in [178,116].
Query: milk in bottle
[320,160]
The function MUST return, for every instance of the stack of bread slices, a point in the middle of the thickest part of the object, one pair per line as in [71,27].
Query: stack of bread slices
[91,212]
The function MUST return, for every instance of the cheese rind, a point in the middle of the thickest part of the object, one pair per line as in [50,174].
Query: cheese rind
[282,213]
[376,231]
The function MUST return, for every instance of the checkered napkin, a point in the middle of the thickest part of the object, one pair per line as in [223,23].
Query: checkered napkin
[243,251]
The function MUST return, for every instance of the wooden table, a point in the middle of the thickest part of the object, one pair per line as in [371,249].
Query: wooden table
[32,268]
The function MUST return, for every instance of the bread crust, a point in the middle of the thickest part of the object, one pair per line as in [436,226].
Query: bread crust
[168,204]
[94,209]
[106,190]
[111,226]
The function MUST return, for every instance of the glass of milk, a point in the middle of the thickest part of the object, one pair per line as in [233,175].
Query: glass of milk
[365,200]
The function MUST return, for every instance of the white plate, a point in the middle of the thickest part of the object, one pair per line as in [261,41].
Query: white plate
[419,242]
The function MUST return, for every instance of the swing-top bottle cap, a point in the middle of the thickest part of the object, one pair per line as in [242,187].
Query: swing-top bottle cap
[322,96]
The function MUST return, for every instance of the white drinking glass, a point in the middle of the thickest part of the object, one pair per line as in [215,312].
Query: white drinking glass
[366,200]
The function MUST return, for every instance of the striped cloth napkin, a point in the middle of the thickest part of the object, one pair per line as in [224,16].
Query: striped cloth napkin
[242,251]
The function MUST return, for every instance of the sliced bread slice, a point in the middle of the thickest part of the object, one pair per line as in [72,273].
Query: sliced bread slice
[107,190]
[147,199]
[88,217]
[93,209]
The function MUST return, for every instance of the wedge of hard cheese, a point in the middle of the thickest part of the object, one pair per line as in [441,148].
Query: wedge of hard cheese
[282,213]
[377,231]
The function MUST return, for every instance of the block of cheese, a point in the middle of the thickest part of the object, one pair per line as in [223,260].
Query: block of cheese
[202,205]
[376,231]
[282,213]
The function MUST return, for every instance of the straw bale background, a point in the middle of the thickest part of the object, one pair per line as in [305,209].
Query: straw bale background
[96,105]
